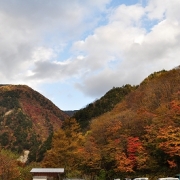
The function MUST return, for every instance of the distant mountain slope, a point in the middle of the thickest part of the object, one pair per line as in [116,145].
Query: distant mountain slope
[27,119]
[70,112]
[102,105]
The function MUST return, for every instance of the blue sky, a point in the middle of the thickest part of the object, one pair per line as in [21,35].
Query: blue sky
[73,52]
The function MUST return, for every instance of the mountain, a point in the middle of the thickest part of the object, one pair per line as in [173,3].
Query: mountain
[104,104]
[70,112]
[27,120]
[132,131]
[131,94]
[140,135]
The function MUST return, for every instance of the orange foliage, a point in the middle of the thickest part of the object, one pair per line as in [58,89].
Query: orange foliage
[90,154]
[170,138]
[124,164]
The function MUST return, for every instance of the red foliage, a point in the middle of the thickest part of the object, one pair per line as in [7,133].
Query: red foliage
[132,147]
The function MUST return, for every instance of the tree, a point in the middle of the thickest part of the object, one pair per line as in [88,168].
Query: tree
[101,145]
[170,143]
[25,170]
[65,145]
[8,166]
[133,157]
[90,156]
[123,163]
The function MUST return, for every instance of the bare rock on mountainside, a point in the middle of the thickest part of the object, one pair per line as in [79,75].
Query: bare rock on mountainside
[24,158]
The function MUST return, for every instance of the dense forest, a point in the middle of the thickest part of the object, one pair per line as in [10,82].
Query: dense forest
[102,105]
[137,135]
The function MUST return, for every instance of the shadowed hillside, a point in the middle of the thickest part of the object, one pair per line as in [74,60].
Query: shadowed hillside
[102,105]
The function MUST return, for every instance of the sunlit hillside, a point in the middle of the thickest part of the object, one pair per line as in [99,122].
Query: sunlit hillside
[27,119]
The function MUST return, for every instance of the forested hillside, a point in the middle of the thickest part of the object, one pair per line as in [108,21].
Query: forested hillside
[102,105]
[138,137]
[27,120]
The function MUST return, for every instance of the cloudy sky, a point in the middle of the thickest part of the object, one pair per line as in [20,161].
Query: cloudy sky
[74,51]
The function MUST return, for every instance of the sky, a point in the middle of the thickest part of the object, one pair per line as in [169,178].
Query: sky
[74,51]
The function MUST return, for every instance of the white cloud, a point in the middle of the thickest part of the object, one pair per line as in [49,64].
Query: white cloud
[138,52]
[163,9]
[128,15]
[156,9]
[25,24]
[43,54]
[103,47]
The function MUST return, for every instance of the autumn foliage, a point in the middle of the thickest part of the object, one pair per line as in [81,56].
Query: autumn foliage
[139,136]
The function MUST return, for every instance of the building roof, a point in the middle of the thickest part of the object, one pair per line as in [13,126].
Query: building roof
[47,170]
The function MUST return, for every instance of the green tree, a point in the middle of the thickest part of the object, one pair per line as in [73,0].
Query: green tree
[25,170]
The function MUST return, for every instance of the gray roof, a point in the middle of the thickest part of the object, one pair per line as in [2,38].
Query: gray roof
[47,170]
